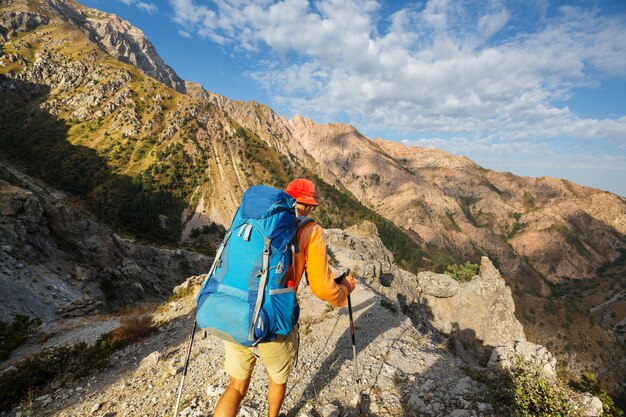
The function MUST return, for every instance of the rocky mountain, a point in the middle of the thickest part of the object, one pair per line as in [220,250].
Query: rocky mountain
[404,365]
[88,107]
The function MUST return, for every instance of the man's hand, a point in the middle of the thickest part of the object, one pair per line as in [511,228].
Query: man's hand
[348,282]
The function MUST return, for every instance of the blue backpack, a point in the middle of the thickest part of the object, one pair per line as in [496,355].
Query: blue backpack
[245,298]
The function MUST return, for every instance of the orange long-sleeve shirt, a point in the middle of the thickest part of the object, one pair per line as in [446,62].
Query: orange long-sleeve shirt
[313,258]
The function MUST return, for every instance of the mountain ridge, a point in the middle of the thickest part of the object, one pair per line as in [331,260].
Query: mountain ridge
[160,165]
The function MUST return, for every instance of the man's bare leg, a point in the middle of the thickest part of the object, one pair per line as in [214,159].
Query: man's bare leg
[229,402]
[275,397]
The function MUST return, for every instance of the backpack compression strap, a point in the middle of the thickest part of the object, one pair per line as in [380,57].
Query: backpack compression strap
[264,276]
[217,261]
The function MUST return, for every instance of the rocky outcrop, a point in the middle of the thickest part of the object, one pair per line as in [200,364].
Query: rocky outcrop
[360,249]
[120,39]
[504,358]
[480,314]
[11,23]
[536,357]
[55,261]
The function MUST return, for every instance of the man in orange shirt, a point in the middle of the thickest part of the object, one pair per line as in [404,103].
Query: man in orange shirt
[279,355]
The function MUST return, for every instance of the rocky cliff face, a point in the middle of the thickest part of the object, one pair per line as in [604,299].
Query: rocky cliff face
[57,262]
[12,23]
[479,314]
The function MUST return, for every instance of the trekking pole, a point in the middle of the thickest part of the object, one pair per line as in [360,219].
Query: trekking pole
[182,381]
[356,367]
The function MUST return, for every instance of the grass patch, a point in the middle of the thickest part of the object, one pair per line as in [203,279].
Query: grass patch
[389,305]
[453,223]
[467,210]
[68,363]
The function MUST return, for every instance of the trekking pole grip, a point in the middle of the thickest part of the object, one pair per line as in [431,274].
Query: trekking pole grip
[342,276]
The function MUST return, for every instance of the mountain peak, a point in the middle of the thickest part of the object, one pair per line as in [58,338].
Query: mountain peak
[120,39]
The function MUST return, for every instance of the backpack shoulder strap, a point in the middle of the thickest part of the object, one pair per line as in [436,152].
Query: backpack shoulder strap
[301,221]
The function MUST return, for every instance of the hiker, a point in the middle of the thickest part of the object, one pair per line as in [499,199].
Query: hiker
[279,355]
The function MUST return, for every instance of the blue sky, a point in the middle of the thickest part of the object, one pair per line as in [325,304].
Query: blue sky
[533,87]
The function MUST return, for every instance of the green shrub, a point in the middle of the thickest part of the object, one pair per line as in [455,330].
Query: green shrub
[389,305]
[525,391]
[517,226]
[466,206]
[462,272]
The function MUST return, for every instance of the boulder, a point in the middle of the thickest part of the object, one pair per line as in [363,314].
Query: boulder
[506,357]
[437,285]
[80,307]
[590,406]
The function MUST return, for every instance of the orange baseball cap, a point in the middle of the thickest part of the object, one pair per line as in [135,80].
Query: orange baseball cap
[303,191]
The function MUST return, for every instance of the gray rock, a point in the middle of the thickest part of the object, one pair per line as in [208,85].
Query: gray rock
[247,411]
[68,280]
[480,314]
[214,390]
[462,386]
[590,406]
[8,370]
[505,357]
[15,22]
[485,407]
[43,398]
[437,285]
[460,413]
[330,410]
[151,360]
[80,307]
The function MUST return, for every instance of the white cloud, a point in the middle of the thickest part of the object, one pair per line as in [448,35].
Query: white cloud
[447,67]
[147,7]
[490,24]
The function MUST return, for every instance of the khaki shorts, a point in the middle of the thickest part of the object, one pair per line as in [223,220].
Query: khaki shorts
[277,356]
